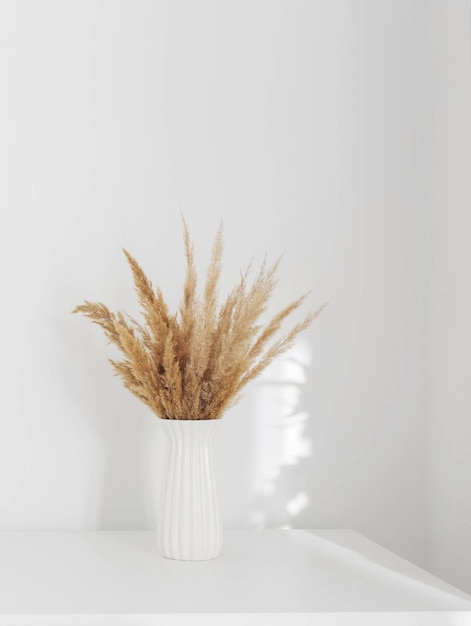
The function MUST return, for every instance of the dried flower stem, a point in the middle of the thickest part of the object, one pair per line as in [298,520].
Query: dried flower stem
[194,364]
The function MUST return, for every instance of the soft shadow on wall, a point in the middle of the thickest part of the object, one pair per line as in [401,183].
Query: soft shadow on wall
[120,483]
[281,444]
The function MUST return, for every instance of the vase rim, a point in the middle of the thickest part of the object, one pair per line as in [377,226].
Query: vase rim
[184,419]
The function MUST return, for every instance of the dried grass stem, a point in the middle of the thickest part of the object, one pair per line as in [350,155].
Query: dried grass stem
[194,364]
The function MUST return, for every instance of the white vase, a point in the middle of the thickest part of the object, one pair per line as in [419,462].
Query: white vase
[190,520]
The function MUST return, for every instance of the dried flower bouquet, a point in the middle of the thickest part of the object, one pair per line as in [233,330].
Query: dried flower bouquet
[193,364]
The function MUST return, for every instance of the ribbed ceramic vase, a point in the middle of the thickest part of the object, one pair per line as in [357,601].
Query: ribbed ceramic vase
[190,520]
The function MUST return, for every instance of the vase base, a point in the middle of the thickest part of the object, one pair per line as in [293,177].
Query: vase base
[179,558]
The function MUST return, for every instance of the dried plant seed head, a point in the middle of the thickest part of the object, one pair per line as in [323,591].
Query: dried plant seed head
[193,364]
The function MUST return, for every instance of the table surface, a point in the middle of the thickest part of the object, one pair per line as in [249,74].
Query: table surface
[90,576]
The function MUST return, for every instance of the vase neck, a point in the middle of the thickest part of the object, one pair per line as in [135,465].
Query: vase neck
[190,432]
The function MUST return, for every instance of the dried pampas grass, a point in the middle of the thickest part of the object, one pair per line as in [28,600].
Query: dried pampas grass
[193,364]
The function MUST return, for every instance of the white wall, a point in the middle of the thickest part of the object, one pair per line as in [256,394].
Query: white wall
[449,294]
[301,125]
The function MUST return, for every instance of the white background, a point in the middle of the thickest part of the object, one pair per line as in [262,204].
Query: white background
[335,132]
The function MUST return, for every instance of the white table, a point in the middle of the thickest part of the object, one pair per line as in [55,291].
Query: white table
[273,577]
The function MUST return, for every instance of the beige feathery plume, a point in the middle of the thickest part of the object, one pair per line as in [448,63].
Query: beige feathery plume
[194,364]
